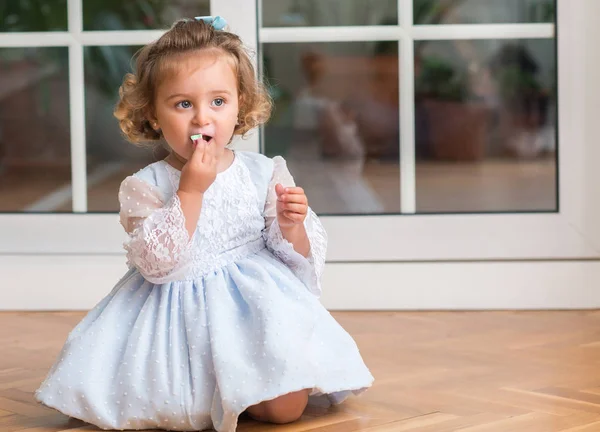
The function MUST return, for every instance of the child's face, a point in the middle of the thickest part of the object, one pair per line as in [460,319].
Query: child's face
[201,98]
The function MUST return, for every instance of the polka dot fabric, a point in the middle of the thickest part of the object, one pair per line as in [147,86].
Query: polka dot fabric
[218,323]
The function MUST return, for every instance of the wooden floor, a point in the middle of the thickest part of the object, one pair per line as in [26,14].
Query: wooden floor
[435,372]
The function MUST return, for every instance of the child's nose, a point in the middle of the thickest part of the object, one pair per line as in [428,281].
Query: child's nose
[202,117]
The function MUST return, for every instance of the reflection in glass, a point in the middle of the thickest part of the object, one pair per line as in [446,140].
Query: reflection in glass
[298,13]
[33,15]
[483,11]
[486,125]
[336,122]
[139,15]
[110,158]
[35,165]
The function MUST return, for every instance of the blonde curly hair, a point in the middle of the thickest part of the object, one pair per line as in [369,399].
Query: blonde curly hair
[156,60]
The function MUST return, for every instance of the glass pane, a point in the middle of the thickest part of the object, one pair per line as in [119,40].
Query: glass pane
[483,11]
[336,122]
[33,15]
[139,15]
[110,158]
[486,125]
[35,143]
[289,13]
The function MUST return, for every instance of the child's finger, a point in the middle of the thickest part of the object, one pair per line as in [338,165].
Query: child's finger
[295,217]
[298,199]
[294,190]
[296,208]
[208,156]
[209,153]
[199,150]
[200,143]
[212,148]
[279,189]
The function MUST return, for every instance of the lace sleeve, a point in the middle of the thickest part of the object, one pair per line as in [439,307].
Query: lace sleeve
[158,244]
[309,270]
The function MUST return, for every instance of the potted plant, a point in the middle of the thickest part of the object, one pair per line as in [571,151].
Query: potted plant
[455,123]
[524,102]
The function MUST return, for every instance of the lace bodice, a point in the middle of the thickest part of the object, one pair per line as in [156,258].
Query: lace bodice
[237,219]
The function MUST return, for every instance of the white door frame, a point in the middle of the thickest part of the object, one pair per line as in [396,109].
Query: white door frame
[388,251]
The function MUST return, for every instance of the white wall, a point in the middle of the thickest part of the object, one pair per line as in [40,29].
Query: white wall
[69,282]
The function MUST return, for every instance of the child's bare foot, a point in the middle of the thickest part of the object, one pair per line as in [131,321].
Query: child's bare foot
[284,409]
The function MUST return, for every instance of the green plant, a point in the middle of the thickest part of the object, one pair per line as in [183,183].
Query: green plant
[433,11]
[440,80]
[514,83]
[51,15]
[104,65]
[517,74]
[542,11]
[33,15]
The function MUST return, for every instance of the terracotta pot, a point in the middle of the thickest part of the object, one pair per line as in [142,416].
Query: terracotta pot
[457,131]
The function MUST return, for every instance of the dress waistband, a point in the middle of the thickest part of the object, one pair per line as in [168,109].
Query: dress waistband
[203,265]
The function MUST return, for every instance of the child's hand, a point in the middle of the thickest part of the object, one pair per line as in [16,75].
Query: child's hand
[292,206]
[200,170]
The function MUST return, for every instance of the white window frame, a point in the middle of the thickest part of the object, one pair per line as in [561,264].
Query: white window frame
[570,233]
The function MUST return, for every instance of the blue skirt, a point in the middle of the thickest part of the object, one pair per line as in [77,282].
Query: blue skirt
[194,354]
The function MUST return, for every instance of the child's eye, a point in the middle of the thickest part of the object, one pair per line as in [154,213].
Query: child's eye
[219,102]
[184,104]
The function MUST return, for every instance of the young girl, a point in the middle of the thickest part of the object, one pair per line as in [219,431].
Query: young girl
[219,312]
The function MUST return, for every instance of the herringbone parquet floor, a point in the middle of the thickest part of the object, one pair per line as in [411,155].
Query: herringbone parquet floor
[435,372]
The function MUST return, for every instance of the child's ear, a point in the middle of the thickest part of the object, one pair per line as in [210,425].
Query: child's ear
[153,123]
[151,117]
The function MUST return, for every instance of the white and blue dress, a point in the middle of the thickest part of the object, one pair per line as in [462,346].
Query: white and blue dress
[201,328]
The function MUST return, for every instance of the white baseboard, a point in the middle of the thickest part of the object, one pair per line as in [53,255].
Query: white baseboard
[66,282]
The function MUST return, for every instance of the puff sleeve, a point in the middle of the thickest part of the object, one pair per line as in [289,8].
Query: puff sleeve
[308,269]
[158,244]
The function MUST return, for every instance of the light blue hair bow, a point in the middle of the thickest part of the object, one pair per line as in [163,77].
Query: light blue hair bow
[217,22]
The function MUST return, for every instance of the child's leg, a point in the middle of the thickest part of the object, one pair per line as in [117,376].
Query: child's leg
[284,409]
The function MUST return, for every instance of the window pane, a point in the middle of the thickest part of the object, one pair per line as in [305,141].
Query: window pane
[336,122]
[33,15]
[486,125]
[286,13]
[35,164]
[139,15]
[109,157]
[483,11]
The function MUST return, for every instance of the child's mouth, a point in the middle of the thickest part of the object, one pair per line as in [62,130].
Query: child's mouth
[206,138]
